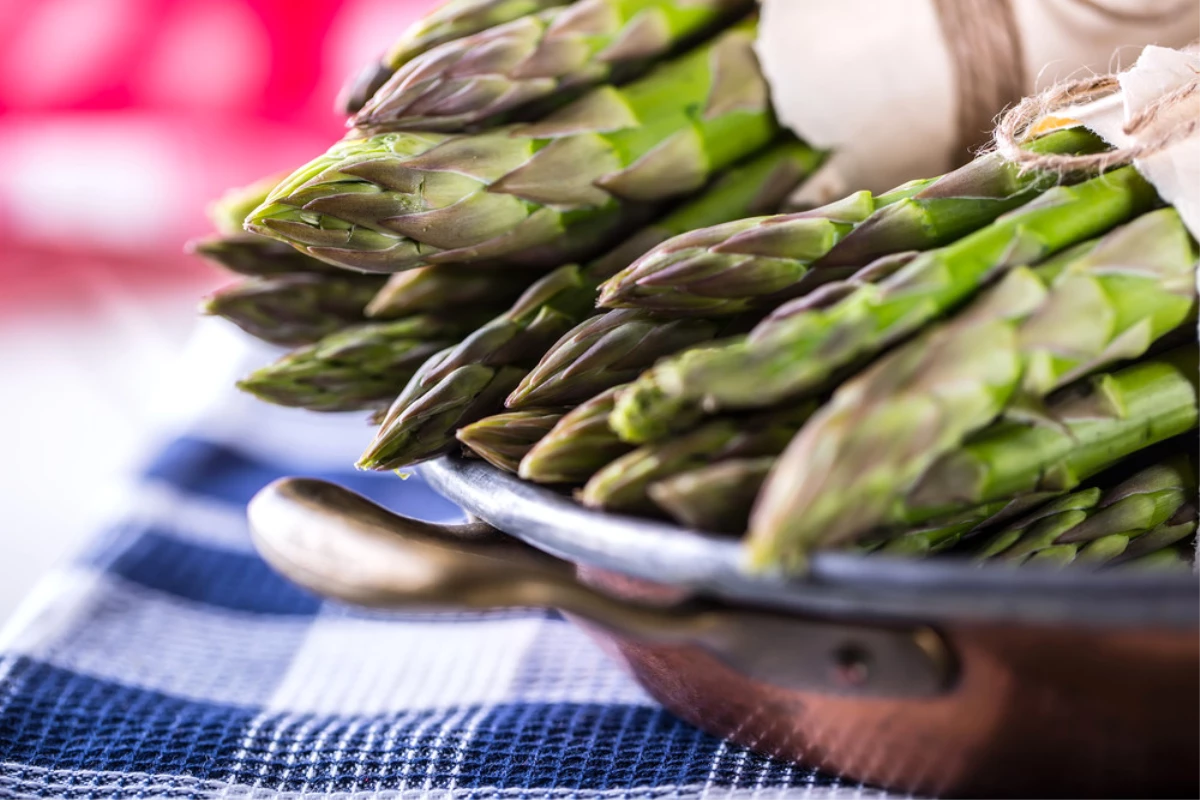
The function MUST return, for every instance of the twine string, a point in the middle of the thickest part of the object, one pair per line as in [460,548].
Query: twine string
[986,49]
[1154,123]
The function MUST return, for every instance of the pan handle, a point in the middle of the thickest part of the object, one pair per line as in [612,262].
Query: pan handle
[341,545]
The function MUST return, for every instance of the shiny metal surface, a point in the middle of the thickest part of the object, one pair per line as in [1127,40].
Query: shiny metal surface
[341,545]
[936,590]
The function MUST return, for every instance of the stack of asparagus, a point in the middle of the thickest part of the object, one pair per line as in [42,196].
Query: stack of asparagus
[545,213]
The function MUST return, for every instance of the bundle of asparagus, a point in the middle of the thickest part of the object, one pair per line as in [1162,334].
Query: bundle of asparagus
[978,357]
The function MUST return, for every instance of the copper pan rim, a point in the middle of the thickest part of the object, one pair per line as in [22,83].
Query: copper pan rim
[934,590]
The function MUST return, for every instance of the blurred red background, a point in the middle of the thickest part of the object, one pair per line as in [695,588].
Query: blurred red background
[121,119]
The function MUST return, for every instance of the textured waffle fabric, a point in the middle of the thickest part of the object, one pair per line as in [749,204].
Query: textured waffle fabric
[169,661]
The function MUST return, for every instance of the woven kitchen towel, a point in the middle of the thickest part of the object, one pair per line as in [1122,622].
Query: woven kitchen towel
[170,661]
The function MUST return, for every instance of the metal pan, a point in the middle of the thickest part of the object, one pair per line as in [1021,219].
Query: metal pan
[934,677]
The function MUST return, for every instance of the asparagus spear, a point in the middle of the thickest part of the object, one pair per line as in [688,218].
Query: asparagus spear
[229,211]
[1153,508]
[444,289]
[534,194]
[623,484]
[1093,425]
[717,497]
[451,20]
[247,253]
[503,439]
[481,78]
[919,214]
[612,348]
[1036,331]
[1169,559]
[799,349]
[421,423]
[603,351]
[763,261]
[293,309]
[577,446]
[361,367]
[256,256]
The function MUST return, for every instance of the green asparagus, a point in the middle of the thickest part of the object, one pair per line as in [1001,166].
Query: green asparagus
[503,439]
[257,256]
[763,261]
[537,194]
[1088,427]
[604,351]
[451,20]
[1155,508]
[580,444]
[293,309]
[623,484]
[802,347]
[446,289]
[496,357]
[1036,331]
[228,212]
[357,368]
[717,497]
[540,57]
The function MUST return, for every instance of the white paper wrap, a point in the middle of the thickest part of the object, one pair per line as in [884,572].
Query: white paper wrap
[875,81]
[1174,171]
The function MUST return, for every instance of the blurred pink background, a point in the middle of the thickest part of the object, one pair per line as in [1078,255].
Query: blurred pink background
[119,121]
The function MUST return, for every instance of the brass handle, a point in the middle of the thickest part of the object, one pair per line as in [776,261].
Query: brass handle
[342,545]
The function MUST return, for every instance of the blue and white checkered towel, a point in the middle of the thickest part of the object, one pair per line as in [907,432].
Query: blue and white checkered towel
[170,661]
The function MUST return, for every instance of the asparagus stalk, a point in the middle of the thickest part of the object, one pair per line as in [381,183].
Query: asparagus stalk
[799,349]
[229,211]
[1169,559]
[445,289]
[421,422]
[623,485]
[536,194]
[717,497]
[361,367]
[763,261]
[1036,331]
[577,446]
[450,21]
[1088,427]
[604,351]
[247,253]
[545,56]
[256,256]
[1092,425]
[1154,508]
[293,309]
[503,439]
